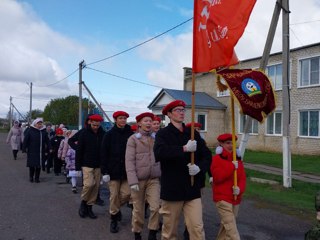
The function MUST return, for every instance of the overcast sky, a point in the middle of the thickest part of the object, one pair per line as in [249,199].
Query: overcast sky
[43,42]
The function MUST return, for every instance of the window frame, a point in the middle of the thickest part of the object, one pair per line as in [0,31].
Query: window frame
[273,127]
[252,125]
[204,126]
[299,78]
[308,127]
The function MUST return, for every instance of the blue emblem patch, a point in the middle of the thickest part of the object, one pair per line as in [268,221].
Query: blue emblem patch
[250,87]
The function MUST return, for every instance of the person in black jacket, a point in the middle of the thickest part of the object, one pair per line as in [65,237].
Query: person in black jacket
[73,141]
[173,149]
[88,160]
[36,144]
[113,166]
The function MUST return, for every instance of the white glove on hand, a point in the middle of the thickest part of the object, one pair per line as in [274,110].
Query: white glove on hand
[135,187]
[236,190]
[235,163]
[106,178]
[238,153]
[210,180]
[193,169]
[191,146]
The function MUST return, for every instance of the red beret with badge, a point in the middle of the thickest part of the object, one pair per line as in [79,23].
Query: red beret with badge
[172,105]
[157,119]
[96,118]
[120,113]
[225,137]
[59,131]
[145,114]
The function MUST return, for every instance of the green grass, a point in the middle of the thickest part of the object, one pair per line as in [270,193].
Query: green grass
[301,163]
[298,200]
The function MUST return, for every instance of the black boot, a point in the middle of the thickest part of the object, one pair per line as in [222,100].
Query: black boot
[83,210]
[37,180]
[99,201]
[146,211]
[186,234]
[15,152]
[137,236]
[119,216]
[31,173]
[152,235]
[114,228]
[90,213]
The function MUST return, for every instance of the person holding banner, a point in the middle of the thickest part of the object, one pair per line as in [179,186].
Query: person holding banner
[172,148]
[226,196]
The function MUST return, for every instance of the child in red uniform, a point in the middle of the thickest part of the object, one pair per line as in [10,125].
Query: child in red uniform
[224,191]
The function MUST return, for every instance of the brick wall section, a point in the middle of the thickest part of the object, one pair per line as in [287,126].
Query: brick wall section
[306,98]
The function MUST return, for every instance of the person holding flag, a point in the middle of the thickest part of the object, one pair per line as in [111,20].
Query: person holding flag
[226,195]
[172,148]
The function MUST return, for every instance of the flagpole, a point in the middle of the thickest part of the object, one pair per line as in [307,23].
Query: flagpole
[192,119]
[234,157]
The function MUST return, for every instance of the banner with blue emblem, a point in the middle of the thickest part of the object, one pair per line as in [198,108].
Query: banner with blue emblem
[252,89]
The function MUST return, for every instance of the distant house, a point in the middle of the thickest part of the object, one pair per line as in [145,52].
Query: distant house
[213,107]
[207,110]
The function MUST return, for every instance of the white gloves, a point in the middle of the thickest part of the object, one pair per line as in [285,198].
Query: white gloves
[210,180]
[106,178]
[135,187]
[193,169]
[236,190]
[235,163]
[191,146]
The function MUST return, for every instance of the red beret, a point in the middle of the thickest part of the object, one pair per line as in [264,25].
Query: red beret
[145,114]
[199,125]
[156,118]
[120,113]
[225,137]
[134,127]
[59,131]
[96,117]
[172,105]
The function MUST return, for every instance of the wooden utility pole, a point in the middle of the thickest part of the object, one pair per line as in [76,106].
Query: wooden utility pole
[263,65]
[287,182]
[10,113]
[30,110]
[81,66]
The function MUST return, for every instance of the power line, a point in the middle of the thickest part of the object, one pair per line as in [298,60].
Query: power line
[124,78]
[294,34]
[298,23]
[138,45]
[51,84]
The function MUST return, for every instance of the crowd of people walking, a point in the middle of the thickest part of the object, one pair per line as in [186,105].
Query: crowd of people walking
[149,168]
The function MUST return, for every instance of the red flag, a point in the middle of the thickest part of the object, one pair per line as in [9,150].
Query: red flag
[253,91]
[217,27]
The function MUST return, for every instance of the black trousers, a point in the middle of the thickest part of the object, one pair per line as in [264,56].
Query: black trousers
[34,172]
[15,152]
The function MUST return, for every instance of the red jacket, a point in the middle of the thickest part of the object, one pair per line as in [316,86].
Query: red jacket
[222,170]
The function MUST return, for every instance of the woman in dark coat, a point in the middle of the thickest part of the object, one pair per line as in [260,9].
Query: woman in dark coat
[35,143]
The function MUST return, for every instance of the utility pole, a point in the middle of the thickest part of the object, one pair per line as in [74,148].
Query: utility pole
[30,110]
[10,113]
[81,66]
[287,180]
[263,65]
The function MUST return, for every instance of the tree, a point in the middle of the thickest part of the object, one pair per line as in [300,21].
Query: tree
[65,110]
[34,114]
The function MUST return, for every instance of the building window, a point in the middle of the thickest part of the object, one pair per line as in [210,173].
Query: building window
[202,119]
[274,124]
[224,93]
[275,74]
[309,123]
[309,72]
[253,129]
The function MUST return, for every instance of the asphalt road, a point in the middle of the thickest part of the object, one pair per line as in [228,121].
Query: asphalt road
[49,210]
